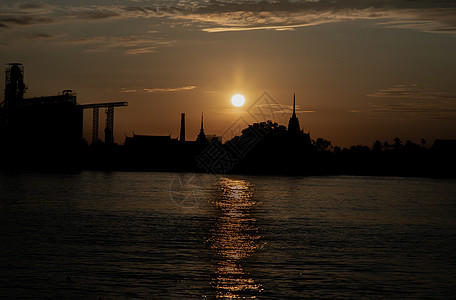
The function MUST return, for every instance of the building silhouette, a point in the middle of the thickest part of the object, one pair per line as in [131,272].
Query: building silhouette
[214,138]
[182,129]
[293,124]
[295,133]
[45,131]
[109,129]
[201,138]
[39,125]
[14,85]
[164,153]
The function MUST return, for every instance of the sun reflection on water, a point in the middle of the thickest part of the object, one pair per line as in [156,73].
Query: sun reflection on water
[235,239]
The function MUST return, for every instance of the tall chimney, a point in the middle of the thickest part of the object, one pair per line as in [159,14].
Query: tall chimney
[182,133]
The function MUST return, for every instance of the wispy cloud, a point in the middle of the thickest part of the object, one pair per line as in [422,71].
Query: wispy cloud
[220,16]
[228,15]
[274,19]
[158,90]
[125,90]
[129,45]
[142,50]
[277,28]
[433,16]
[96,15]
[31,6]
[54,16]
[175,89]
[8,22]
[282,108]
[37,14]
[414,101]
[413,91]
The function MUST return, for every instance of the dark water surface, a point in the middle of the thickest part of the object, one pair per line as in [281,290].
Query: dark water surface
[171,236]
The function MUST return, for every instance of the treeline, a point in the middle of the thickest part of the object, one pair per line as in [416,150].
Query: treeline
[279,152]
[262,148]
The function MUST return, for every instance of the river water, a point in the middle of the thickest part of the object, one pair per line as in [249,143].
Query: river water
[126,235]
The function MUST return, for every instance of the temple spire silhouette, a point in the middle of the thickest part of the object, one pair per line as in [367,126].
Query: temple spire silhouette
[182,129]
[293,124]
[294,105]
[202,129]
[201,136]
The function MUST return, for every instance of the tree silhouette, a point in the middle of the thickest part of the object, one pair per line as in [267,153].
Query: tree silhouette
[397,145]
[386,146]
[322,144]
[377,146]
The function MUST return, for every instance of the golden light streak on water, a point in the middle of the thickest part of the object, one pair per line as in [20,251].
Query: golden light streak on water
[234,239]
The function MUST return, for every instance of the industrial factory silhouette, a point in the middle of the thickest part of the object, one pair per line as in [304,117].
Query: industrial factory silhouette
[46,131]
[45,134]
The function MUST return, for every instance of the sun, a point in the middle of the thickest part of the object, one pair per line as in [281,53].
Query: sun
[238,100]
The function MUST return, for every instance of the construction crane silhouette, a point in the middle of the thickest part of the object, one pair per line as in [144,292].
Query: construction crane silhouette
[109,130]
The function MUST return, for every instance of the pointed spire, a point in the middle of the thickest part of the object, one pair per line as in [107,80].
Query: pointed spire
[182,131]
[202,122]
[201,136]
[293,124]
[294,105]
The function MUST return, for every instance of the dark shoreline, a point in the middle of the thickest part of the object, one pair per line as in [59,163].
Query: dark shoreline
[80,167]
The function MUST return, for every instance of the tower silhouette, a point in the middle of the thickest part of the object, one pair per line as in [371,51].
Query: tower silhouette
[201,136]
[14,85]
[182,129]
[293,124]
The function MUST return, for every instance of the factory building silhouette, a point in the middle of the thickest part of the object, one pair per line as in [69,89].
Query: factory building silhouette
[45,130]
[40,128]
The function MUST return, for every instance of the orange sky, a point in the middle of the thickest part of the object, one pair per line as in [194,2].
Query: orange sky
[361,71]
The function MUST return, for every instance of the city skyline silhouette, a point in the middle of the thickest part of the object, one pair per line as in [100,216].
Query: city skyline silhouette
[46,132]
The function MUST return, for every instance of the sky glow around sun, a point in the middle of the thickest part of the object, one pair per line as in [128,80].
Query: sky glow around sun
[238,100]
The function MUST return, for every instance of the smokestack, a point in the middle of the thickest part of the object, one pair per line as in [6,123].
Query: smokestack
[182,133]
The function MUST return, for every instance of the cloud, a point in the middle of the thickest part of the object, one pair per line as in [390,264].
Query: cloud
[30,14]
[142,50]
[158,90]
[96,15]
[36,14]
[413,91]
[128,44]
[31,5]
[221,16]
[125,90]
[414,101]
[176,89]
[25,14]
[39,36]
[282,108]
[277,28]
[7,22]
[228,15]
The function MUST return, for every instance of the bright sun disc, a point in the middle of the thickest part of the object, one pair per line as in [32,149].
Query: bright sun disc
[238,100]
